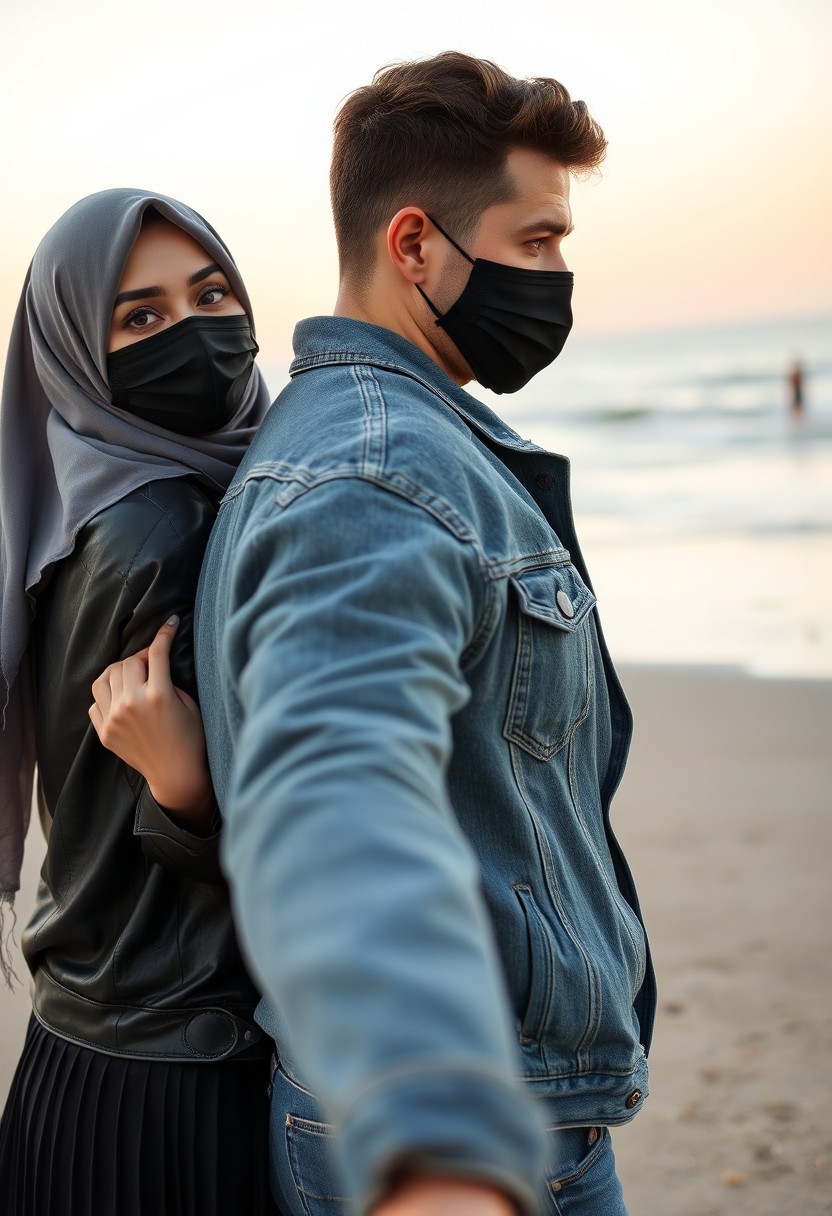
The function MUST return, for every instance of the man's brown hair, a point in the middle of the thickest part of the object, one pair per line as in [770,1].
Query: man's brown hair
[435,133]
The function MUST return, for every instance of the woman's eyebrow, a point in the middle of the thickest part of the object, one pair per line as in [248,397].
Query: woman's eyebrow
[203,274]
[147,293]
[138,293]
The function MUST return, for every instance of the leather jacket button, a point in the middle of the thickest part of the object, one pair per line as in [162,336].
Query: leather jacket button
[634,1099]
[210,1033]
[543,481]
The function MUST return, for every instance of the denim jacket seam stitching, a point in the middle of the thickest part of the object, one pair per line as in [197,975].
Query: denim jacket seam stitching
[508,437]
[462,534]
[433,505]
[543,559]
[399,484]
[611,884]
[488,623]
[374,413]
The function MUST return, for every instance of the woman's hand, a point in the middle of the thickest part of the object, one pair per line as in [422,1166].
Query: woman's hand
[157,729]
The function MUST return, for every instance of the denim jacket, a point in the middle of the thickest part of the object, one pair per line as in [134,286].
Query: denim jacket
[415,733]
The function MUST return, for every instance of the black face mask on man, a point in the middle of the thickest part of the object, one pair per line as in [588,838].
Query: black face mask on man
[190,378]
[509,322]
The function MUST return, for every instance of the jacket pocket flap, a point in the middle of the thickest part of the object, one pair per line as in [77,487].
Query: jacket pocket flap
[554,594]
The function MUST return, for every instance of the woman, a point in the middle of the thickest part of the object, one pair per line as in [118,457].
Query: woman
[129,398]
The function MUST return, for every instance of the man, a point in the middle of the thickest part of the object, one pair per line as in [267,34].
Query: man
[414,725]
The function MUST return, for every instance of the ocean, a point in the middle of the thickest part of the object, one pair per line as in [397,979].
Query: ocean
[704,507]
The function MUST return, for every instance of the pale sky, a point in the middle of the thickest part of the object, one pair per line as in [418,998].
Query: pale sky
[715,200]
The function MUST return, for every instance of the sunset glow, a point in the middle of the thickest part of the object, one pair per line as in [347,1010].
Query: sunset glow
[713,203]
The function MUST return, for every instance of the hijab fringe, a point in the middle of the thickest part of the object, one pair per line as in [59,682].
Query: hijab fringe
[10,977]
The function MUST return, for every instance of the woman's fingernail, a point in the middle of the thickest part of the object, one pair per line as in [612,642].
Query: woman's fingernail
[172,620]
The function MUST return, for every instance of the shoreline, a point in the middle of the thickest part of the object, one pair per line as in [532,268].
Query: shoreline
[725,815]
[732,601]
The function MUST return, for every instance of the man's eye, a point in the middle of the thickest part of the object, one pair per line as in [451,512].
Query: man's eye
[537,242]
[214,294]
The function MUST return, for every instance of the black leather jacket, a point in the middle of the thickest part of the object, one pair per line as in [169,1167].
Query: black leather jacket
[131,944]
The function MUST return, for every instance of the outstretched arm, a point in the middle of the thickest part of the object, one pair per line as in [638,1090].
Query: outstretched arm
[156,728]
[357,896]
[440,1196]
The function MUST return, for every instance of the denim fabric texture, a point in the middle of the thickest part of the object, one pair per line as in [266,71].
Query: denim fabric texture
[308,1179]
[415,733]
[580,1178]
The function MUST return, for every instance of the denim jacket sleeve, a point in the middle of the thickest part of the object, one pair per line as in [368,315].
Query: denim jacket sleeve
[357,895]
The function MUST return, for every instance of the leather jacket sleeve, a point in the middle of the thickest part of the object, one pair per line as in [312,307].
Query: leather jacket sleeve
[172,845]
[134,565]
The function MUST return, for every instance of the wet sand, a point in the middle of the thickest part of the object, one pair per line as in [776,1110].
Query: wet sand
[726,814]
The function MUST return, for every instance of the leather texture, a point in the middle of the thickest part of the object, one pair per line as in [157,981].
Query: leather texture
[131,944]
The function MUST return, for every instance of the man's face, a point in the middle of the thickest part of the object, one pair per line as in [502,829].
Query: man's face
[528,231]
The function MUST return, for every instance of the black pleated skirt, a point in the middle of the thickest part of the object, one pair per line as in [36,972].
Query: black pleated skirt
[87,1134]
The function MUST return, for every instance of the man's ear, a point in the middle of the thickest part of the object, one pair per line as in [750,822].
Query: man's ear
[410,237]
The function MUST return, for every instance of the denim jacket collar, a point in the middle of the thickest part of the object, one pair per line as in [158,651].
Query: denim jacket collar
[329,341]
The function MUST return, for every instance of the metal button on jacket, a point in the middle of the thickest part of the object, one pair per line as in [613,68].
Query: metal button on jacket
[634,1099]
[565,604]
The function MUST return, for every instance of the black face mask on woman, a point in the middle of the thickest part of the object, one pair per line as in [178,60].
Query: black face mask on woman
[190,378]
[509,322]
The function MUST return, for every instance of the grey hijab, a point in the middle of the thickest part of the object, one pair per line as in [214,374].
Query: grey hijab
[66,452]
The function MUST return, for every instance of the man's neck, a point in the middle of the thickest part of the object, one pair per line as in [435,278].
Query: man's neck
[388,315]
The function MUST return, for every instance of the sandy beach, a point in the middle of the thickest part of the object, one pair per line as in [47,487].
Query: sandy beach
[725,812]
[726,815]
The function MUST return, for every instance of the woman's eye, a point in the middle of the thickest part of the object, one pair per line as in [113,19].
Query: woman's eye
[214,294]
[537,243]
[141,318]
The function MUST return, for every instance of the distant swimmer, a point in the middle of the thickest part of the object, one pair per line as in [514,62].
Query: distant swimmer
[795,378]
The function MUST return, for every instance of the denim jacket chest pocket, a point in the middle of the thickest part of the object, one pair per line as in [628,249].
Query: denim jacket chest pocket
[551,684]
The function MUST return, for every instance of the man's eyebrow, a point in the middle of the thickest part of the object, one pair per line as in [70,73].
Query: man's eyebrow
[138,293]
[547,226]
[203,274]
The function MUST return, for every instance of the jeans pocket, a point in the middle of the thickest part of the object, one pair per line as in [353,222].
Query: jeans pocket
[306,1175]
[581,1178]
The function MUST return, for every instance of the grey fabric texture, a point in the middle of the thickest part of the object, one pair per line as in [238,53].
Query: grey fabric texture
[67,453]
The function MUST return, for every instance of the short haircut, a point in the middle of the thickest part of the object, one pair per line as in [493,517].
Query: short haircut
[435,133]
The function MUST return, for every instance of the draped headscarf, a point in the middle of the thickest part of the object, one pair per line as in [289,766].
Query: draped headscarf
[66,452]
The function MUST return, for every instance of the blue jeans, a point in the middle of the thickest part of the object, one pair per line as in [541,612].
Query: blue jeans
[306,1178]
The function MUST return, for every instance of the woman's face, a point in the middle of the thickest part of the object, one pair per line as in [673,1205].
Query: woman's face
[167,278]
